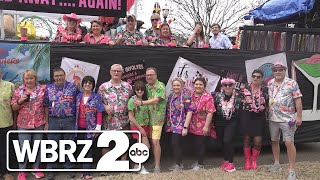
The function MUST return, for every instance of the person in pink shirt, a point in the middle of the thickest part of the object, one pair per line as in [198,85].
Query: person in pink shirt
[196,40]
[166,37]
[88,115]
[96,35]
[28,101]
[200,125]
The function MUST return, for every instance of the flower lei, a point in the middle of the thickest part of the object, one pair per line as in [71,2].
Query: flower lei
[76,36]
[253,106]
[227,106]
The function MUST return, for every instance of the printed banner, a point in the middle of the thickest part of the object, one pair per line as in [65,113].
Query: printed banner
[265,64]
[237,76]
[310,68]
[76,70]
[16,58]
[112,8]
[134,72]
[189,71]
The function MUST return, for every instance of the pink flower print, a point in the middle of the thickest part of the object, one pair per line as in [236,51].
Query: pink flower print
[139,43]
[149,38]
[113,97]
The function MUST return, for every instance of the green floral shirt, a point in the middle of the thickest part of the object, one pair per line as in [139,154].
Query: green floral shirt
[130,38]
[141,113]
[157,111]
[150,35]
[6,93]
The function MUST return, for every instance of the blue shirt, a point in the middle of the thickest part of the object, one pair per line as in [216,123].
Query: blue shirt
[61,100]
[220,41]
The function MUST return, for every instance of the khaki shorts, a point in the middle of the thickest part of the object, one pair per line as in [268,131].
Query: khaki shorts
[155,132]
[281,127]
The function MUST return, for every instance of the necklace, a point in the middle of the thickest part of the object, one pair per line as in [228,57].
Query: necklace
[254,107]
[227,106]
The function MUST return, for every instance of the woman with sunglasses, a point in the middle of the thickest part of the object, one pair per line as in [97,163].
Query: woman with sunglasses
[71,33]
[200,124]
[96,35]
[139,116]
[177,112]
[152,33]
[89,116]
[130,35]
[253,117]
[228,103]
[196,40]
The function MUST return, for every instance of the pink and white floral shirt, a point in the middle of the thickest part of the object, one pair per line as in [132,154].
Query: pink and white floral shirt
[281,103]
[117,97]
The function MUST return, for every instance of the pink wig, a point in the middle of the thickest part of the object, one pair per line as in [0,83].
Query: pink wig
[228,81]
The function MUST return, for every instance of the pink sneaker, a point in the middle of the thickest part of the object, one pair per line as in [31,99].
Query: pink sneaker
[22,176]
[224,164]
[230,167]
[38,174]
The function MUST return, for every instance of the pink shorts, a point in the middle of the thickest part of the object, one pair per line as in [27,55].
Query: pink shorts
[136,135]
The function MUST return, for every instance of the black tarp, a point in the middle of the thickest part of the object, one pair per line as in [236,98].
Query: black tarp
[164,59]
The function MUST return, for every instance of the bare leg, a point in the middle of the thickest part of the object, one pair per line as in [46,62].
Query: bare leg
[291,150]
[276,151]
[156,152]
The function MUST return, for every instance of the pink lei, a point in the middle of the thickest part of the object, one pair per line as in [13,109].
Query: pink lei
[67,37]
[227,106]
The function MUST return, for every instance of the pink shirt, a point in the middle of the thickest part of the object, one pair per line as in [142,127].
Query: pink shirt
[31,114]
[88,38]
[200,107]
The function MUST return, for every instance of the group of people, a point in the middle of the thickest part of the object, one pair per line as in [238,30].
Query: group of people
[144,107]
[157,35]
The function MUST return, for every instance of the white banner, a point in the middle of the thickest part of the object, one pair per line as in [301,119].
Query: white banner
[188,71]
[76,70]
[265,64]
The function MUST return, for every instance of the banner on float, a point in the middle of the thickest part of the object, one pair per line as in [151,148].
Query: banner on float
[265,64]
[134,72]
[189,71]
[239,77]
[76,70]
[16,58]
[310,68]
[111,8]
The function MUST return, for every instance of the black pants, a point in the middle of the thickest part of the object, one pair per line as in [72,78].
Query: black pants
[176,140]
[3,150]
[225,136]
[200,147]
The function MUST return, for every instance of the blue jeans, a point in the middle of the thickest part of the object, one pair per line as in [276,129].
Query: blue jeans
[66,123]
[30,137]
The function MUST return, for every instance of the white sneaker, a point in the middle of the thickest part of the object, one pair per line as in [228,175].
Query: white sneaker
[143,170]
[175,167]
[194,165]
[198,167]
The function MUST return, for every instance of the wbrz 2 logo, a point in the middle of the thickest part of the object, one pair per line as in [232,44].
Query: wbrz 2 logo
[53,151]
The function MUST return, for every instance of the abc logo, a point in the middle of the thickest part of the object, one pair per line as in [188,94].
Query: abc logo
[139,153]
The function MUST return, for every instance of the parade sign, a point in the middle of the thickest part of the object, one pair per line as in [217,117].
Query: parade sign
[114,8]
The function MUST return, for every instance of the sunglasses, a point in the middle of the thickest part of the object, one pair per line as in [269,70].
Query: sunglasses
[278,70]
[130,20]
[154,19]
[227,85]
[137,90]
[254,76]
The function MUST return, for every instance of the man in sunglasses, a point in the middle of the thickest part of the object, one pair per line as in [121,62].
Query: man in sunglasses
[154,31]
[285,115]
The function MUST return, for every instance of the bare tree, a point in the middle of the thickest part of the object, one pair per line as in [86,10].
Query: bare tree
[227,13]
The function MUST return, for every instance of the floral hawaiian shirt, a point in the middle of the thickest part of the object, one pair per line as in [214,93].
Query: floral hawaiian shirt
[281,103]
[104,39]
[177,108]
[93,107]
[257,102]
[117,97]
[200,107]
[141,113]
[6,93]
[157,111]
[61,100]
[150,34]
[31,114]
[130,38]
